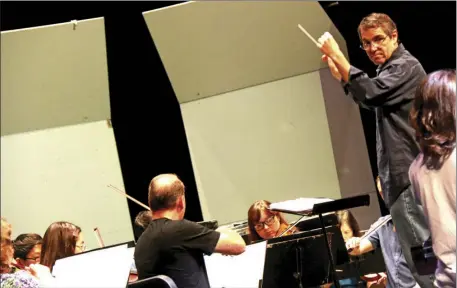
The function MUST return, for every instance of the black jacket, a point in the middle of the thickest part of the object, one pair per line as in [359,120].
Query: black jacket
[390,95]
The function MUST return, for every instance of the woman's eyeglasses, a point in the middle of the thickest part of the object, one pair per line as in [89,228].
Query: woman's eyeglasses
[82,247]
[261,225]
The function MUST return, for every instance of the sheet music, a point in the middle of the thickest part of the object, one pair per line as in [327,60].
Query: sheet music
[101,268]
[241,271]
[300,204]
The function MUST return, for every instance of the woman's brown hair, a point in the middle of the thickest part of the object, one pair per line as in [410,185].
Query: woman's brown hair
[59,241]
[6,248]
[433,117]
[345,216]
[254,214]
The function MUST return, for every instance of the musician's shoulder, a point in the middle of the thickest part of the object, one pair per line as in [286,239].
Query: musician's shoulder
[380,220]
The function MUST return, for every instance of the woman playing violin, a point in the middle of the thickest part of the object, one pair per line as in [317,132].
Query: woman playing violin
[265,224]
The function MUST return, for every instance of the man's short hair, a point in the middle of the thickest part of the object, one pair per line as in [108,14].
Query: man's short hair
[164,191]
[376,20]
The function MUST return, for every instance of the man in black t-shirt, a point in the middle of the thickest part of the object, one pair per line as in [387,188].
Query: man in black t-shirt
[173,246]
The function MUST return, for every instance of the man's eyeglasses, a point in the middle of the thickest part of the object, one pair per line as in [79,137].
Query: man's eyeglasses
[261,225]
[377,41]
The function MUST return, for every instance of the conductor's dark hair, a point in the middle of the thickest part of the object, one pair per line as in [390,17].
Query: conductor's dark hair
[433,117]
[162,197]
[377,20]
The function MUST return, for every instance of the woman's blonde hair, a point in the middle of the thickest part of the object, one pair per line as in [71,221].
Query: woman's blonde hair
[6,248]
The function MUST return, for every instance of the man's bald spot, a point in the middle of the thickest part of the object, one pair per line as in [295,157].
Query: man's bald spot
[164,182]
[165,179]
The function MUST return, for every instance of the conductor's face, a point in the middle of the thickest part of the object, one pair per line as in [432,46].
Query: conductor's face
[378,45]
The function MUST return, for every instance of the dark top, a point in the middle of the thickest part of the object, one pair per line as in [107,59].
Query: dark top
[390,95]
[398,273]
[175,249]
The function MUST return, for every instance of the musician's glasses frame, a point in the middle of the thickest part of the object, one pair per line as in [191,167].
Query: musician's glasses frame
[34,259]
[82,247]
[261,225]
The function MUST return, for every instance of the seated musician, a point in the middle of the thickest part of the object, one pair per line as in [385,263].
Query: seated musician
[264,224]
[11,277]
[349,228]
[142,221]
[61,239]
[398,272]
[348,225]
[173,246]
[27,250]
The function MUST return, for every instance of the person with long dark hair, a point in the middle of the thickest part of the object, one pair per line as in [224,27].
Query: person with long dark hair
[61,239]
[433,173]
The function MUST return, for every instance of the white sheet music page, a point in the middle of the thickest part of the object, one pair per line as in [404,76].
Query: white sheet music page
[241,271]
[101,268]
[299,205]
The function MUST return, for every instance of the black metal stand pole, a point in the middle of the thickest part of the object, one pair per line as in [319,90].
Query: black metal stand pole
[330,255]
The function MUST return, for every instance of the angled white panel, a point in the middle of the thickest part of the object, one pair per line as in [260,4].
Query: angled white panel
[209,48]
[349,148]
[53,76]
[269,141]
[58,151]
[61,174]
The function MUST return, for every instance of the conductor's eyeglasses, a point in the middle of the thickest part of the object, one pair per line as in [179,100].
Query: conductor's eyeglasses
[377,41]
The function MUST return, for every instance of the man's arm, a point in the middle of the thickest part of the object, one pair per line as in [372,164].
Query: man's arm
[223,240]
[382,90]
[230,242]
[359,246]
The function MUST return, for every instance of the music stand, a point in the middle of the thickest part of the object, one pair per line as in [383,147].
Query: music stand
[326,207]
[296,260]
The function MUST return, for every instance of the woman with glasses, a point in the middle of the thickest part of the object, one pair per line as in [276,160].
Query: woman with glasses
[10,277]
[33,276]
[27,250]
[265,224]
[62,239]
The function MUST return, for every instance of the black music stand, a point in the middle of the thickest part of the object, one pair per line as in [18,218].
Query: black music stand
[297,261]
[327,207]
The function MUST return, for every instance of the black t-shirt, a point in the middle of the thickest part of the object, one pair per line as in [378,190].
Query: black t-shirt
[175,248]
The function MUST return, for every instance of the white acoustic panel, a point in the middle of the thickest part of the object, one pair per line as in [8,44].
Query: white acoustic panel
[62,174]
[213,47]
[349,148]
[53,76]
[270,142]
